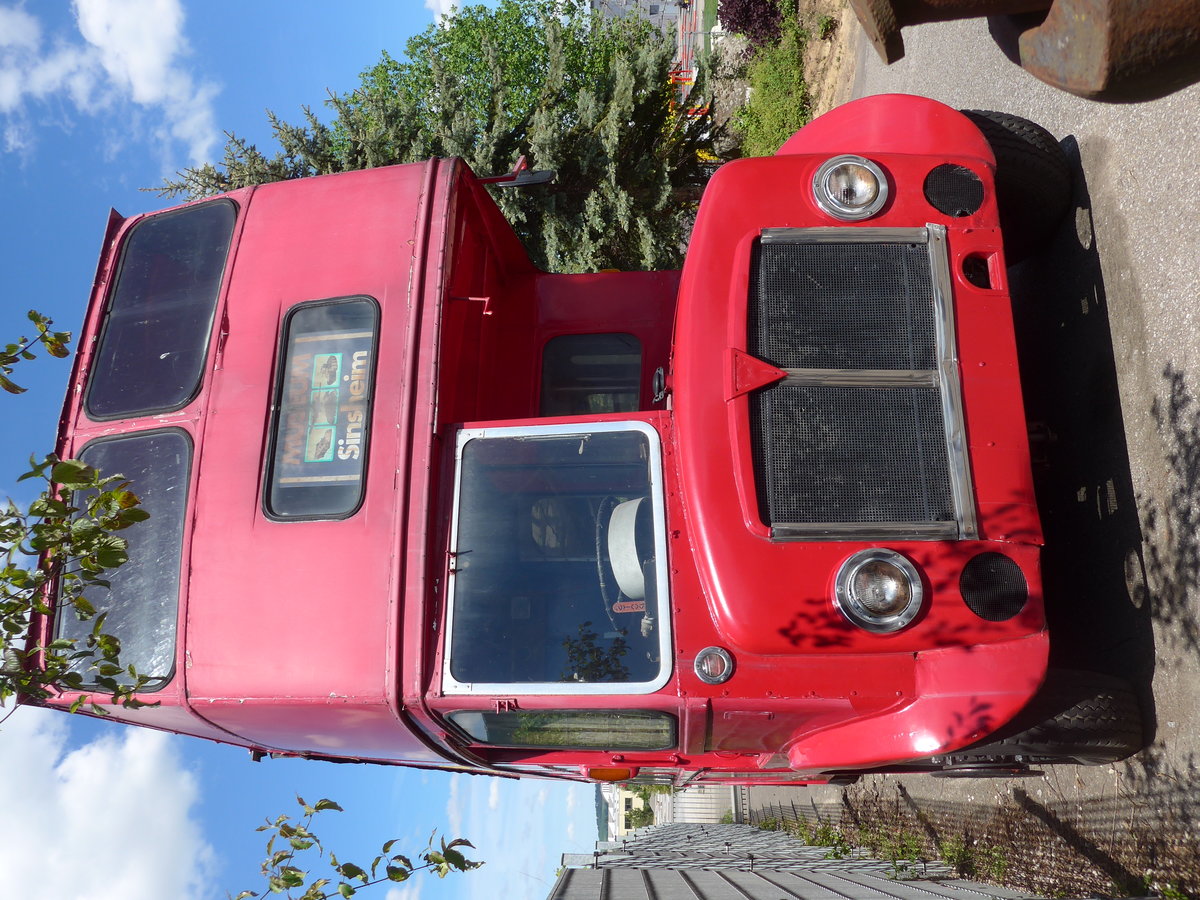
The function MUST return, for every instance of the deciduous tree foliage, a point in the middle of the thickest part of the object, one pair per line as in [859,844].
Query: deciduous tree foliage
[586,96]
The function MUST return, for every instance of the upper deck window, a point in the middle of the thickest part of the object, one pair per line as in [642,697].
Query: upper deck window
[558,544]
[142,602]
[321,431]
[160,310]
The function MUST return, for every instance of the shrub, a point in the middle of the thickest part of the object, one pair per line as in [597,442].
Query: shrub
[757,20]
[779,102]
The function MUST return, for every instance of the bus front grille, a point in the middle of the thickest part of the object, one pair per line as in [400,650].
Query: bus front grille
[862,436]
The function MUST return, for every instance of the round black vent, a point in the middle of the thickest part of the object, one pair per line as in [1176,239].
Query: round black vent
[954,190]
[994,587]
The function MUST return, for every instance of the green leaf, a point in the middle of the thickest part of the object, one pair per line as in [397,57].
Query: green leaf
[397,873]
[9,386]
[345,890]
[112,553]
[71,473]
[350,870]
[325,804]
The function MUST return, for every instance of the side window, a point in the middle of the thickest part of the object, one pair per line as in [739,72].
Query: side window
[155,337]
[584,374]
[590,729]
[321,431]
[141,604]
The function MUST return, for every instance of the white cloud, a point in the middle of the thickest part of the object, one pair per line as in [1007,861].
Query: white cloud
[18,28]
[410,891]
[442,8]
[111,819]
[493,800]
[454,813]
[127,56]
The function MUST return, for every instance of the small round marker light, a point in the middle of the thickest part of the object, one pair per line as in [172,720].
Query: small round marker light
[714,665]
[850,188]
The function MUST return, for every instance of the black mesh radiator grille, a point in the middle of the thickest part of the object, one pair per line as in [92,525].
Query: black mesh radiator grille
[831,453]
[842,306]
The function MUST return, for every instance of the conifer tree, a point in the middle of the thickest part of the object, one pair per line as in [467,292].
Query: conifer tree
[586,96]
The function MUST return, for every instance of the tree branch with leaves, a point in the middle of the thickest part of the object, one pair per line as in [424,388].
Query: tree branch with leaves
[293,843]
[53,554]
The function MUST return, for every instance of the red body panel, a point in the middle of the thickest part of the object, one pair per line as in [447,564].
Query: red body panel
[327,638]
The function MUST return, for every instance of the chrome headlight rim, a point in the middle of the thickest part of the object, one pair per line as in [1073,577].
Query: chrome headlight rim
[852,607]
[834,207]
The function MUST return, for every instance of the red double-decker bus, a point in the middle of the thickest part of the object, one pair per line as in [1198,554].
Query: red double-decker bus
[413,501]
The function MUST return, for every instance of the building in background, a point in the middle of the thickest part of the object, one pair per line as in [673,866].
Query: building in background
[702,804]
[663,13]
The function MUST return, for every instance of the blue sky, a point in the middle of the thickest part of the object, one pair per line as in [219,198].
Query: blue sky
[99,98]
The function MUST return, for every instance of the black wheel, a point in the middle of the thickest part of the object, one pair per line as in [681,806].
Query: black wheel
[1079,717]
[1033,179]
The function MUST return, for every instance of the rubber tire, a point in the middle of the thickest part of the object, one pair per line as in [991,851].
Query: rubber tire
[1033,180]
[1080,717]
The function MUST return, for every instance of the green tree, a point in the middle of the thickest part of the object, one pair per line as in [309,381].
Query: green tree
[640,817]
[587,96]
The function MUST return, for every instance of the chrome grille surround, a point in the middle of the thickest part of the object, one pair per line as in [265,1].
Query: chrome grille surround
[864,438]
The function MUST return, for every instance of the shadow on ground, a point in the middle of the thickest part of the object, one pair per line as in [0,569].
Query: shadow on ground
[1093,567]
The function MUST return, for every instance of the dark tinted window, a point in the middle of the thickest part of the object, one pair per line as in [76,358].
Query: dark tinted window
[322,426]
[583,374]
[143,599]
[160,311]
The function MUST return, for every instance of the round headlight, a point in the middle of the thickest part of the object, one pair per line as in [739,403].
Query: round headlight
[714,665]
[850,187]
[878,590]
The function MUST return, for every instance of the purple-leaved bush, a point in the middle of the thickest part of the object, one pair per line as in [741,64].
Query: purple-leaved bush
[757,20]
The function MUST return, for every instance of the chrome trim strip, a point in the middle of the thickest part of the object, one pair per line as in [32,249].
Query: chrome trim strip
[863,235]
[861,378]
[952,403]
[838,531]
